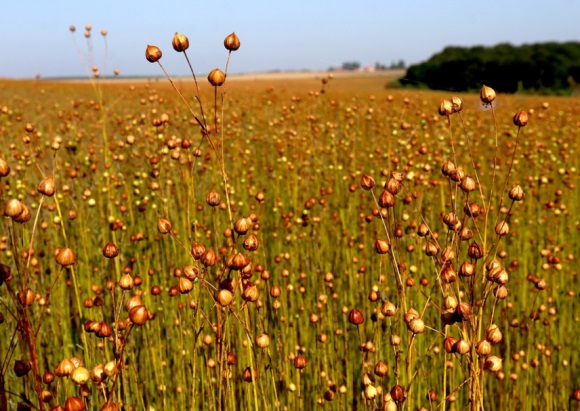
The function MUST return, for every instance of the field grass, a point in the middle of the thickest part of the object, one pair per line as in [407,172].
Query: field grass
[154,331]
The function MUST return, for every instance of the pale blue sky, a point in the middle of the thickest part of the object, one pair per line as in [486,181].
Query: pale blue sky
[285,35]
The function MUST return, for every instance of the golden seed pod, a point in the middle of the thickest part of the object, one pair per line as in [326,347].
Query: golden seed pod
[98,373]
[47,187]
[457,104]
[502,228]
[382,246]
[164,225]
[139,315]
[65,257]
[493,364]
[389,309]
[423,230]
[126,282]
[27,297]
[180,42]
[64,368]
[263,340]
[232,42]
[74,404]
[501,292]
[111,368]
[251,243]
[521,118]
[185,285]
[213,198]
[72,28]
[132,302]
[355,317]
[483,348]
[487,95]
[237,261]
[24,216]
[386,199]
[152,53]
[416,326]
[393,186]
[250,293]
[216,77]
[381,369]
[367,182]
[224,297]
[468,184]
[462,347]
[370,392]
[208,258]
[445,108]
[516,193]
[13,208]
[4,168]
[450,302]
[493,335]
[80,376]
[243,225]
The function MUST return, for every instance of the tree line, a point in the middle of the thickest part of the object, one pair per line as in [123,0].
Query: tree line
[551,68]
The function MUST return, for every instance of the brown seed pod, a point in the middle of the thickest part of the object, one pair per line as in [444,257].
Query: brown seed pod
[449,344]
[381,369]
[521,118]
[208,258]
[213,198]
[300,362]
[467,269]
[152,53]
[398,393]
[242,226]
[516,193]
[74,404]
[249,374]
[355,317]
[47,187]
[457,104]
[216,77]
[367,182]
[382,246]
[386,199]
[180,42]
[423,230]
[468,184]
[237,261]
[462,347]
[250,293]
[416,326]
[65,257]
[388,309]
[224,297]
[109,406]
[493,335]
[251,243]
[263,340]
[431,249]
[139,315]
[445,108]
[487,95]
[110,250]
[493,364]
[47,377]
[185,285]
[502,228]
[164,226]
[64,368]
[197,250]
[13,208]
[21,367]
[232,42]
[4,168]
[483,348]
[474,251]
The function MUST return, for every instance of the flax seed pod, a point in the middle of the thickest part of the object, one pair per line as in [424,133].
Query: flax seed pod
[521,118]
[355,317]
[180,42]
[47,187]
[445,108]
[164,226]
[386,199]
[487,95]
[367,182]
[382,246]
[232,42]
[152,53]
[516,193]
[216,77]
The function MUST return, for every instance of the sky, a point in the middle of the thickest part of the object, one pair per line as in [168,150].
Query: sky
[275,35]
